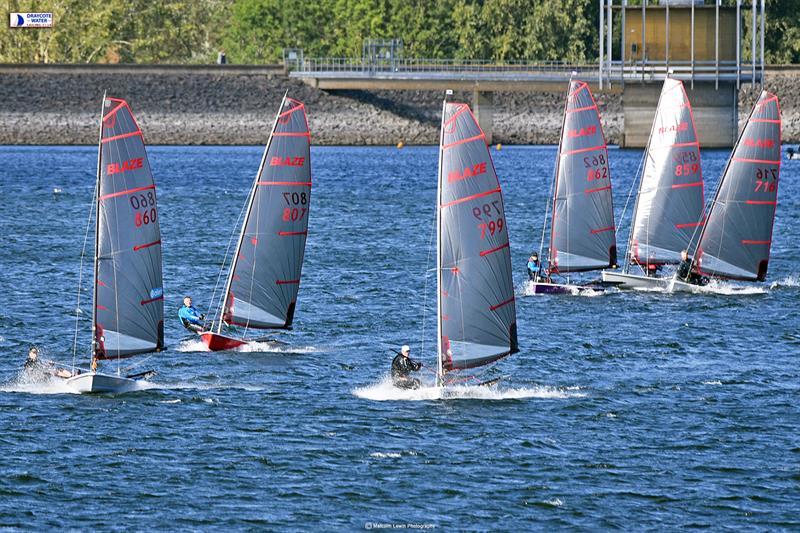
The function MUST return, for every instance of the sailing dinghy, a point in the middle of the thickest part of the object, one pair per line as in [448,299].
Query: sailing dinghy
[737,235]
[582,233]
[264,275]
[128,298]
[476,313]
[669,204]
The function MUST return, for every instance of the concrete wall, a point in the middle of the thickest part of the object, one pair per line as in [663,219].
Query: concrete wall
[715,113]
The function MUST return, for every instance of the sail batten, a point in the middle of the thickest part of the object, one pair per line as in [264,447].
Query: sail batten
[669,204]
[476,306]
[128,313]
[737,234]
[264,276]
[583,235]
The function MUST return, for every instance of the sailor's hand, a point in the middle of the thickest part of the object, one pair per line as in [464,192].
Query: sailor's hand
[203,316]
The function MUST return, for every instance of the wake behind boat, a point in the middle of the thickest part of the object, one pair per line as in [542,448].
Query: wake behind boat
[582,231]
[128,299]
[264,275]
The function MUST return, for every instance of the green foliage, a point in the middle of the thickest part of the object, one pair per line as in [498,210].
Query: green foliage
[256,31]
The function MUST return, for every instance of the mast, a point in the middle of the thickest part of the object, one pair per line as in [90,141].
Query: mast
[554,187]
[439,376]
[97,229]
[250,199]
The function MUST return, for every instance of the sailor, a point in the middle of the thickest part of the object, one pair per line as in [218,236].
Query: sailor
[652,270]
[191,319]
[34,365]
[685,271]
[535,269]
[402,367]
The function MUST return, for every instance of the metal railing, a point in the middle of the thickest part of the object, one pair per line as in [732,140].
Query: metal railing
[615,72]
[342,64]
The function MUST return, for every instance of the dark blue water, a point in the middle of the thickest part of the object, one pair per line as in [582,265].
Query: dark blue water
[625,410]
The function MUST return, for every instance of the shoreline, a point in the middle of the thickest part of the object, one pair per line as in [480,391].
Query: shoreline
[235,107]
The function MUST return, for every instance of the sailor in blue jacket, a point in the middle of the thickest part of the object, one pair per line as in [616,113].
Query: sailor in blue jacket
[191,319]
[535,269]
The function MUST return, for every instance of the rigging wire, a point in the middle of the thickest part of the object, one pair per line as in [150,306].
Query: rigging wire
[638,178]
[425,291]
[218,308]
[80,275]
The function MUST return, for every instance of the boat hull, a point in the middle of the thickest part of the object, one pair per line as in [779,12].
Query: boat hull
[216,342]
[557,288]
[632,281]
[96,383]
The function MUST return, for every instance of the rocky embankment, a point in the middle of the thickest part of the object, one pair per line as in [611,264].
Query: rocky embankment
[210,105]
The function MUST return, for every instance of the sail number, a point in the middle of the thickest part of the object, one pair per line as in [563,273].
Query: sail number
[596,167]
[489,210]
[293,214]
[766,179]
[687,169]
[145,207]
[684,156]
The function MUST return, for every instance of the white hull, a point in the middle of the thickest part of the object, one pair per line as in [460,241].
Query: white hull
[632,281]
[92,382]
[680,286]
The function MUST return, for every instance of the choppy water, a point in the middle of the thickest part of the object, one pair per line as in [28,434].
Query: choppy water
[623,410]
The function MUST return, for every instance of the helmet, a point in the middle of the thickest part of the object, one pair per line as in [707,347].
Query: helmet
[405,349]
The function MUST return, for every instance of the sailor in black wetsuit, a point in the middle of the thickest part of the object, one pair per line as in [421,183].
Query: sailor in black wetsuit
[36,368]
[402,367]
[685,271]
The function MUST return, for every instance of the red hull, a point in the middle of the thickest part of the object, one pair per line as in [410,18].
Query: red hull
[216,342]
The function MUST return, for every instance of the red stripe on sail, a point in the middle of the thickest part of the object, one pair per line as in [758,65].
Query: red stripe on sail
[582,86]
[151,300]
[148,245]
[681,185]
[762,202]
[288,233]
[287,183]
[461,109]
[121,136]
[487,252]
[113,111]
[128,191]
[746,241]
[100,283]
[579,150]
[690,224]
[590,191]
[768,100]
[291,134]
[601,230]
[677,145]
[102,307]
[472,197]
[763,161]
[581,109]
[462,141]
[287,281]
[501,304]
[292,110]
[769,120]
